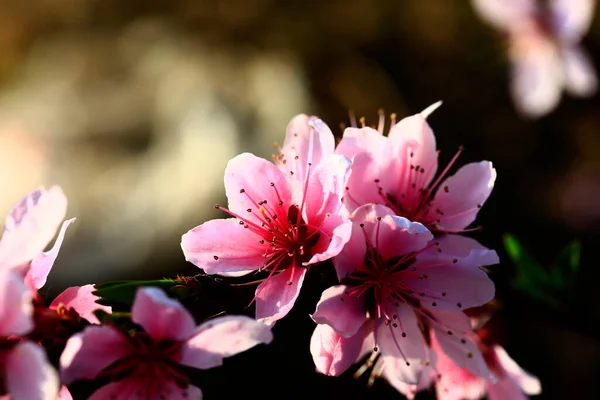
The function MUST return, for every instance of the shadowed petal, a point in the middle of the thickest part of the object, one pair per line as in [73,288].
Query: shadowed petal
[130,388]
[31,225]
[162,317]
[223,245]
[89,352]
[81,299]
[334,354]
[527,382]
[16,308]
[464,353]
[344,313]
[276,296]
[464,194]
[223,337]
[43,262]
[29,376]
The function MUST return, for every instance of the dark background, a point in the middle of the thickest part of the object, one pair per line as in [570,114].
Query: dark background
[399,55]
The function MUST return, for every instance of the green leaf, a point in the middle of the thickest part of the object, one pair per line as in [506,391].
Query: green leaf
[528,269]
[566,266]
[123,292]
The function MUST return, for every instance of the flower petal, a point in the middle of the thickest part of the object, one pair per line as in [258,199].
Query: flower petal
[223,245]
[223,337]
[162,317]
[16,307]
[403,348]
[308,140]
[344,313]
[29,375]
[464,194]
[250,180]
[449,274]
[276,296]
[395,236]
[335,233]
[81,299]
[64,393]
[325,189]
[333,354]
[504,13]
[463,352]
[580,77]
[87,353]
[31,224]
[527,382]
[413,138]
[43,262]
[360,140]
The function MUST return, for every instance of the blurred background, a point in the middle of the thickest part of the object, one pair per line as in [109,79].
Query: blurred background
[135,107]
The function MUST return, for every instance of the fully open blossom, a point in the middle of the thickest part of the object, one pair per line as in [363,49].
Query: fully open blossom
[399,171]
[28,229]
[397,286]
[280,224]
[456,383]
[148,364]
[25,373]
[544,49]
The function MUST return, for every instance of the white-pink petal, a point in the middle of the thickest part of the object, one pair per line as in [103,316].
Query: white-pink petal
[29,376]
[276,296]
[223,337]
[16,308]
[82,300]
[333,354]
[344,313]
[162,317]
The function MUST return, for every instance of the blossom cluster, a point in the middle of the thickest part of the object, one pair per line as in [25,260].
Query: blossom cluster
[375,206]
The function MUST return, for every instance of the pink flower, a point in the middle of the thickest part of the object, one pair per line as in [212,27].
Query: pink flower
[396,286]
[544,49]
[148,364]
[25,373]
[28,229]
[280,224]
[81,300]
[456,383]
[399,171]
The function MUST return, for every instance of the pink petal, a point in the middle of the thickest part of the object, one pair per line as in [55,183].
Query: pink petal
[64,393]
[335,233]
[404,356]
[361,186]
[454,320]
[162,317]
[248,182]
[31,225]
[413,135]
[16,308]
[466,192]
[536,77]
[308,140]
[504,13]
[276,296]
[81,299]
[29,376]
[223,245]
[580,77]
[505,389]
[223,337]
[130,388]
[344,313]
[325,189]
[352,255]
[398,236]
[572,18]
[463,352]
[87,353]
[428,376]
[355,141]
[453,278]
[527,382]
[43,262]
[334,354]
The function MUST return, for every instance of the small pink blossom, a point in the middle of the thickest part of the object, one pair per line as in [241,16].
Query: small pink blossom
[285,217]
[25,373]
[147,365]
[456,383]
[396,286]
[544,49]
[28,229]
[399,171]
[82,300]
